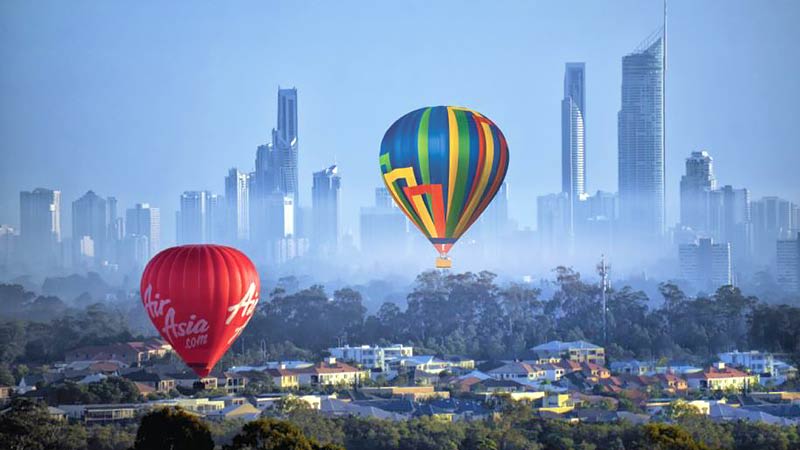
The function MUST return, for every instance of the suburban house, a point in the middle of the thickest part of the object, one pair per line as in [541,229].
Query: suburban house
[578,351]
[329,373]
[160,383]
[98,414]
[364,356]
[552,372]
[232,382]
[591,370]
[283,378]
[519,371]
[720,377]
[131,353]
[633,367]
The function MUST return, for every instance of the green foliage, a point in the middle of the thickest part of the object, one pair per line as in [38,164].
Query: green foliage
[111,437]
[28,425]
[660,436]
[173,428]
[109,390]
[273,434]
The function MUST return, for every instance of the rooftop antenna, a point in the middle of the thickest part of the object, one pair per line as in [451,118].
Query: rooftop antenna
[602,270]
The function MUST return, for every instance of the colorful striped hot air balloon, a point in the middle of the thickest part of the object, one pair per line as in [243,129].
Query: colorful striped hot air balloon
[443,165]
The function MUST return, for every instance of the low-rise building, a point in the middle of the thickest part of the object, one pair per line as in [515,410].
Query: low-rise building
[160,383]
[99,414]
[130,353]
[633,367]
[331,373]
[578,351]
[284,378]
[197,405]
[518,371]
[720,377]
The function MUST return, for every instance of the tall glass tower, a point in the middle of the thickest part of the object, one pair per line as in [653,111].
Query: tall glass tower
[641,140]
[284,140]
[573,131]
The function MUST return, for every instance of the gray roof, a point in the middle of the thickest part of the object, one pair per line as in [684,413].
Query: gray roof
[559,346]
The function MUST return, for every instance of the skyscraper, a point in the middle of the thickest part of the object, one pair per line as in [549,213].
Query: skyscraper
[191,218]
[284,141]
[215,219]
[325,210]
[707,265]
[40,225]
[552,223]
[144,220]
[695,185]
[787,268]
[641,141]
[573,131]
[89,220]
[382,227]
[237,211]
[772,220]
[276,173]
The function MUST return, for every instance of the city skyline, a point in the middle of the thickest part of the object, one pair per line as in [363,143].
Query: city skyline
[536,149]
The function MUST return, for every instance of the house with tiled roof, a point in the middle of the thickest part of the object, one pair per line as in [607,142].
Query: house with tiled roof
[720,377]
[592,370]
[331,372]
[130,353]
[517,370]
[284,378]
[158,382]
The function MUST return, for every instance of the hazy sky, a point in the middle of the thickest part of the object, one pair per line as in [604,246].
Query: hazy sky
[143,100]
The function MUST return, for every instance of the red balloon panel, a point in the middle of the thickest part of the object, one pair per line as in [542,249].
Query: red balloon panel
[200,298]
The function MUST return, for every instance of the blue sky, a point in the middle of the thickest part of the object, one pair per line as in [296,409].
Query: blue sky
[143,100]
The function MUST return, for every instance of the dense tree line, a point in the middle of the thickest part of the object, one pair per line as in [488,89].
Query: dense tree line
[470,314]
[447,313]
[27,425]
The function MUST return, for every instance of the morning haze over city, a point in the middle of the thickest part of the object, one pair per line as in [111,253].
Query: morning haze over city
[240,222]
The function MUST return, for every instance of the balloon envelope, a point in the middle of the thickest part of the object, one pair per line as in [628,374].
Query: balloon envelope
[443,165]
[200,298]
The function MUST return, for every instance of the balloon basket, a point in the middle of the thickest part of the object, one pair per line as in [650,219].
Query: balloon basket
[443,263]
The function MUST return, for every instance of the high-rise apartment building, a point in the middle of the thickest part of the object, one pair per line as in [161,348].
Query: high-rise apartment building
[237,205]
[325,210]
[382,226]
[641,142]
[40,226]
[696,183]
[285,143]
[772,219]
[144,220]
[705,264]
[552,222]
[89,221]
[573,131]
[787,267]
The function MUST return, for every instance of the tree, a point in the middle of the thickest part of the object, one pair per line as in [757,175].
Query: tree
[660,436]
[28,425]
[273,434]
[172,429]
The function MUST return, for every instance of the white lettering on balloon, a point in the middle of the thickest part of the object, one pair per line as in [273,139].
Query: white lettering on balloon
[247,305]
[194,330]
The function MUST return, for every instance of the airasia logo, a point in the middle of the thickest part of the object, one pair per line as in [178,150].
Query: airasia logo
[195,330]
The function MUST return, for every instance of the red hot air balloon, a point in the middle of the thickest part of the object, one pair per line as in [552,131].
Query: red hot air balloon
[200,298]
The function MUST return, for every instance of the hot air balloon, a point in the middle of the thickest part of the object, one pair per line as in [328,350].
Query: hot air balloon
[443,165]
[200,298]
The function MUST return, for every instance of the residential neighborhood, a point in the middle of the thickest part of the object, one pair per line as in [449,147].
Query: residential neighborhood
[563,380]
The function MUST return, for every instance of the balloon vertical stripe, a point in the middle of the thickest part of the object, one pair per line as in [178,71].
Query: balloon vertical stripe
[443,165]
